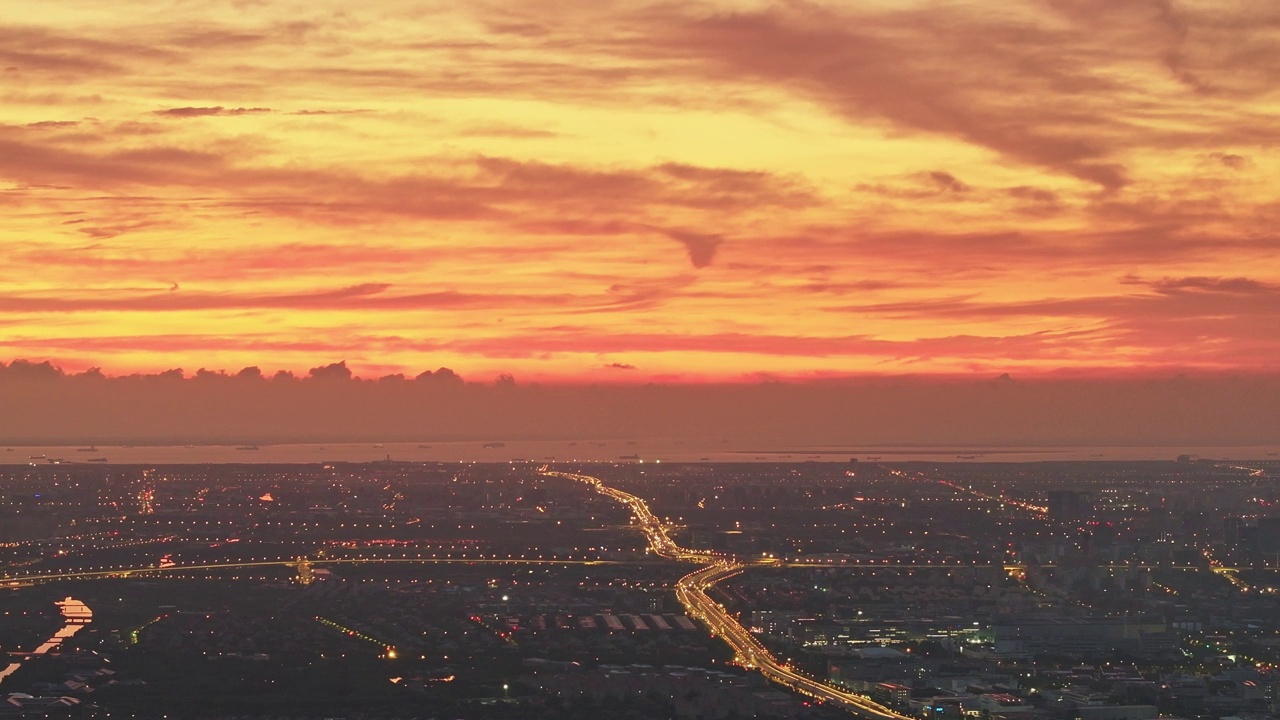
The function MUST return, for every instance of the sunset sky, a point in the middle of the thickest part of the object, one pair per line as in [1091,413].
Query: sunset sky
[619,191]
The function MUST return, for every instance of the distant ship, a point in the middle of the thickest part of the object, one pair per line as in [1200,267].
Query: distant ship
[424,447]
[377,445]
[98,460]
[494,444]
[628,457]
[36,457]
[247,447]
[91,448]
[968,457]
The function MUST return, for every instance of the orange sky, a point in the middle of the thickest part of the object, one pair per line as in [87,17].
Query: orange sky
[621,191]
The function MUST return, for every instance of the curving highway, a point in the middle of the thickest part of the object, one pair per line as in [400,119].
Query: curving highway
[691,590]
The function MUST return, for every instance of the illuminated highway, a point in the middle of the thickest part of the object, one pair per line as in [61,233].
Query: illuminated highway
[1003,500]
[669,551]
[124,572]
[655,531]
[691,590]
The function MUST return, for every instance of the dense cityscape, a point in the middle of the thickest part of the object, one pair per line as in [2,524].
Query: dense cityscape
[1100,590]
[640,360]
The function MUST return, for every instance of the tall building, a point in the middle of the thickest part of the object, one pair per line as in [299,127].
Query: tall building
[1069,505]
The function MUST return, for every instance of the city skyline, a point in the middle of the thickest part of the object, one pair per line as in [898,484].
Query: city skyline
[623,193]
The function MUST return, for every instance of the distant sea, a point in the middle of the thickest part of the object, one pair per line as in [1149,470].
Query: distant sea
[648,450]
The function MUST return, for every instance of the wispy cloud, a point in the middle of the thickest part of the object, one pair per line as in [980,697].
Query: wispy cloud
[191,112]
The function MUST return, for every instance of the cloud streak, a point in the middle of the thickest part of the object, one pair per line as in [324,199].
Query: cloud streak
[192,112]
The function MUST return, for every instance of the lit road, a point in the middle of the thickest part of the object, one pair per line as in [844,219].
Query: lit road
[691,590]
[669,550]
[1003,500]
[149,569]
[655,531]
[751,653]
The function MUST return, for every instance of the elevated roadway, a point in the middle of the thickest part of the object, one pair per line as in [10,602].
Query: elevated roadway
[691,590]
[18,580]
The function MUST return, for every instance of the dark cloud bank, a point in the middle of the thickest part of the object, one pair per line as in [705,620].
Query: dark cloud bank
[42,404]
